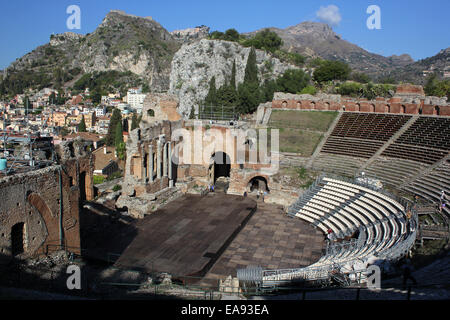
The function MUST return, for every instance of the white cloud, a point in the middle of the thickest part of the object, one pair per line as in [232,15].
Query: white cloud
[330,15]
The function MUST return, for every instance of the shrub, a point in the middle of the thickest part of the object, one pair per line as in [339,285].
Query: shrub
[99,179]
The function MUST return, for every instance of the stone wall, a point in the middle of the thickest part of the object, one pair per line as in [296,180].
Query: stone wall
[46,203]
[408,99]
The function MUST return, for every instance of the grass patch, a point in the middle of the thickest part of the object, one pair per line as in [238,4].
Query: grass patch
[305,120]
[98,180]
[299,141]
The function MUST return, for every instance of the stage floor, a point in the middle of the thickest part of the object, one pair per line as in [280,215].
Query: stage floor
[186,237]
[212,236]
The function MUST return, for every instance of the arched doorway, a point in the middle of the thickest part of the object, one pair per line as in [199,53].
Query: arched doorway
[221,166]
[326,106]
[402,109]
[258,184]
[372,108]
[436,110]
[387,108]
[312,105]
[18,239]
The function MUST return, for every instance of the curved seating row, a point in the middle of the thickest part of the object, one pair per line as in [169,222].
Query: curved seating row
[345,208]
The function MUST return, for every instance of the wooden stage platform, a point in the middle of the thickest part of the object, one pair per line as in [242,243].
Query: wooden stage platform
[187,236]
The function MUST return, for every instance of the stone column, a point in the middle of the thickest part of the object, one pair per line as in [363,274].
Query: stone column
[170,161]
[165,160]
[143,171]
[150,164]
[158,162]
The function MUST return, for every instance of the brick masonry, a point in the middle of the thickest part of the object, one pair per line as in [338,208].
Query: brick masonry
[408,99]
[34,199]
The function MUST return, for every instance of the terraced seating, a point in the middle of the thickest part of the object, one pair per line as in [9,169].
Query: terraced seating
[344,208]
[351,147]
[415,153]
[336,163]
[362,134]
[429,132]
[430,186]
[394,172]
[369,126]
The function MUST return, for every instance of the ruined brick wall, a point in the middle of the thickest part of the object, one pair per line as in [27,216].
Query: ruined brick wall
[408,99]
[47,202]
[160,107]
[33,199]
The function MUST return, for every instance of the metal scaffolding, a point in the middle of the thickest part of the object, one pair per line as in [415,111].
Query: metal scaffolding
[25,152]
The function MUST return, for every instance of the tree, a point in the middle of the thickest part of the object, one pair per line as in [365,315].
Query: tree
[266,40]
[52,98]
[82,125]
[293,81]
[121,150]
[437,88]
[233,76]
[331,70]
[268,90]
[118,136]
[251,69]
[249,97]
[216,35]
[231,35]
[360,77]
[134,122]
[115,119]
[211,98]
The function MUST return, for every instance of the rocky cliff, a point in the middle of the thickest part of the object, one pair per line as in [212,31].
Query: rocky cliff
[195,64]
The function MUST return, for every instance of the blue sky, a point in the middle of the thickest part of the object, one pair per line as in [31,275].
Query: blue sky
[417,27]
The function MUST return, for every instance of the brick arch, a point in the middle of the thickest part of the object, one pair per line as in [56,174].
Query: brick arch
[258,175]
[436,110]
[312,105]
[402,108]
[41,206]
[372,107]
[387,108]
[284,104]
[326,106]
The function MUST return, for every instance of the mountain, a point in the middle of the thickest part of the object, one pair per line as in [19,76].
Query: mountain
[139,51]
[122,42]
[417,72]
[314,39]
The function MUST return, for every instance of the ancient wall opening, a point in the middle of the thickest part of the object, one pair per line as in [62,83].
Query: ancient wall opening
[221,165]
[18,239]
[258,184]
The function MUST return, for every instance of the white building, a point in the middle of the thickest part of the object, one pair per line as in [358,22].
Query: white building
[100,111]
[135,98]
